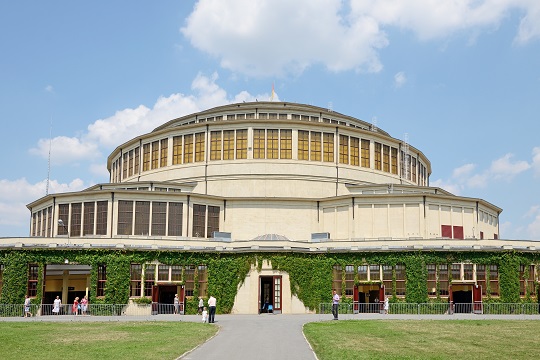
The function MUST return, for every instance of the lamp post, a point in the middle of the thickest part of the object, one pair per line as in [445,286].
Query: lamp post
[61,223]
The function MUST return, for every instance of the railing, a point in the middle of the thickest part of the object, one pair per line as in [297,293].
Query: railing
[132,309]
[435,308]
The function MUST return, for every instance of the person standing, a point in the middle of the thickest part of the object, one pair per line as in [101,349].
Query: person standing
[75,307]
[335,305]
[386,305]
[176,304]
[84,305]
[201,305]
[57,304]
[211,308]
[204,314]
[27,303]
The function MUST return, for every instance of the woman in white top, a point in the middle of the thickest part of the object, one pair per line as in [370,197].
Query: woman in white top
[57,304]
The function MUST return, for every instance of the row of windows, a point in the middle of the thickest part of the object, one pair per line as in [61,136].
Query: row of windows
[33,271]
[267,144]
[42,222]
[144,276]
[439,277]
[157,218]
[456,232]
[81,219]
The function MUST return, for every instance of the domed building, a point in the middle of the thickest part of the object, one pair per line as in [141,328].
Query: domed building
[269,179]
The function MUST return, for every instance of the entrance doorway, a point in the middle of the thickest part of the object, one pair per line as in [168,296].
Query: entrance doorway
[163,298]
[368,298]
[67,281]
[466,298]
[270,294]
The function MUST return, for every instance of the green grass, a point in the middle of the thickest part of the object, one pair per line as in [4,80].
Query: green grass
[100,340]
[425,339]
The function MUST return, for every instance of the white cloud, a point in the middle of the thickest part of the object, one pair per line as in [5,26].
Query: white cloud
[65,149]
[533,229]
[463,171]
[15,194]
[400,79]
[503,168]
[277,37]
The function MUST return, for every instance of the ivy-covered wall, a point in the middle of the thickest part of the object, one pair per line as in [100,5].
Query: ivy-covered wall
[310,274]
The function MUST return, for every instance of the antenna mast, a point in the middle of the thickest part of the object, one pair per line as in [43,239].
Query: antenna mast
[49,159]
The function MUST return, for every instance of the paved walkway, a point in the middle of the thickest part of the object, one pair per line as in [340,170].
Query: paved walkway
[264,336]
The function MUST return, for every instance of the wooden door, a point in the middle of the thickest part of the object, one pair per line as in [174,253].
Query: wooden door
[277,294]
[477,299]
[355,299]
[381,299]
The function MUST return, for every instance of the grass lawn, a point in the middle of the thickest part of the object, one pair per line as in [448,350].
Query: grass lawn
[425,339]
[100,340]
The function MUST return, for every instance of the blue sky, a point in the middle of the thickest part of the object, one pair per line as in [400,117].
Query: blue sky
[460,78]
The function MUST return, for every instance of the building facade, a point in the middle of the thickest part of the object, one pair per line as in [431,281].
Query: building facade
[270,177]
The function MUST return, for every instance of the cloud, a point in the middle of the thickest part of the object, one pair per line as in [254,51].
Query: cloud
[501,169]
[15,194]
[104,134]
[279,37]
[533,229]
[400,79]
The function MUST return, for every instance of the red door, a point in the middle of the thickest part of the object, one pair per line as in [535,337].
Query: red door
[277,294]
[477,299]
[155,299]
[450,300]
[181,298]
[381,299]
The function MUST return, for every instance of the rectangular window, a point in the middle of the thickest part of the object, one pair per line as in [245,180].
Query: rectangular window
[149,278]
[386,158]
[177,150]
[378,156]
[199,146]
[456,272]
[101,218]
[285,144]
[175,218]
[33,271]
[355,151]
[394,161]
[130,164]
[76,218]
[125,166]
[494,279]
[49,223]
[188,148]
[155,154]
[272,144]
[374,273]
[458,232]
[164,152]
[163,272]
[241,144]
[336,278]
[343,149]
[88,227]
[228,145]
[199,220]
[137,160]
[303,145]
[213,221]
[176,273]
[258,143]
[146,157]
[362,273]
[442,273]
[467,272]
[432,279]
[400,279]
[316,147]
[365,153]
[63,214]
[142,220]
[328,147]
[481,277]
[125,217]
[387,279]
[203,280]
[159,217]
[136,280]
[189,280]
[215,145]
[413,170]
[101,280]
[349,280]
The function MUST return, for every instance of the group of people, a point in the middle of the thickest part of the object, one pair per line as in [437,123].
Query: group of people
[207,315]
[335,305]
[78,308]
